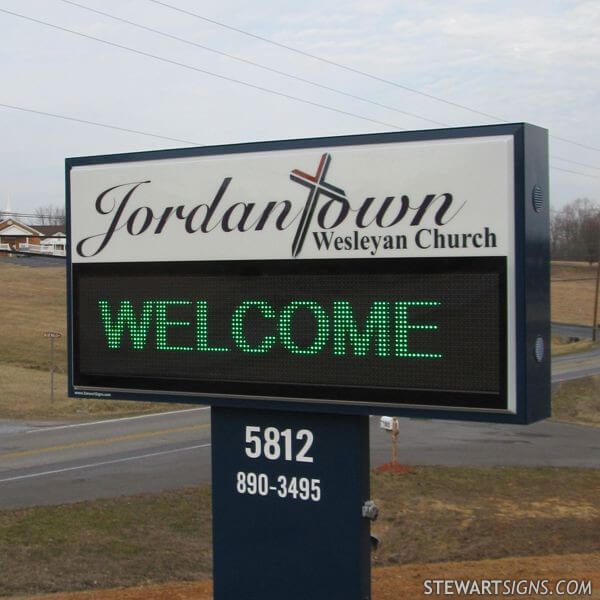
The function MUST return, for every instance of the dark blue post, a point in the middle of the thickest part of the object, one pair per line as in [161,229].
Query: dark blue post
[288,491]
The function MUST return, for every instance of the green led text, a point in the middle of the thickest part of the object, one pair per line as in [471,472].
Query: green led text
[388,329]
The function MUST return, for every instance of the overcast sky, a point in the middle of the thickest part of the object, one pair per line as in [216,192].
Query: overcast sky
[519,61]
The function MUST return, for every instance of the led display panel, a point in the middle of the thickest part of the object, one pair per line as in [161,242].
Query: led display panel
[343,327]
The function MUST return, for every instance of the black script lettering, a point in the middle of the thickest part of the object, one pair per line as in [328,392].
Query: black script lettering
[163,219]
[280,222]
[384,207]
[210,211]
[441,212]
[344,208]
[247,210]
[114,225]
[362,211]
[145,224]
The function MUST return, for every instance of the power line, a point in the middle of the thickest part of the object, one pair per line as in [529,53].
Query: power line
[276,71]
[321,59]
[575,162]
[96,123]
[574,172]
[28,215]
[106,126]
[555,137]
[252,63]
[354,70]
[198,70]
[203,71]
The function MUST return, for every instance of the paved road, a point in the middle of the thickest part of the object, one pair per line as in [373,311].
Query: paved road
[570,330]
[575,366]
[53,465]
[32,261]
[545,443]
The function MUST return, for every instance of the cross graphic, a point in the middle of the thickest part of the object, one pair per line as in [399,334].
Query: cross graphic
[317,186]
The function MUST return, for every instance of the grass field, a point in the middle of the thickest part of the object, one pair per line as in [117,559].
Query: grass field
[573,287]
[429,515]
[578,401]
[32,301]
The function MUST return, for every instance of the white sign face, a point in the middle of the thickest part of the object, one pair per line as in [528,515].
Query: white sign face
[436,198]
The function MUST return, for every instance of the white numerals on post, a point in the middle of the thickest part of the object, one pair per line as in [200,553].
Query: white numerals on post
[294,488]
[273,444]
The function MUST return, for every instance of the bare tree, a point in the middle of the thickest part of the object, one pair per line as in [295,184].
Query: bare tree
[575,231]
[590,232]
[50,215]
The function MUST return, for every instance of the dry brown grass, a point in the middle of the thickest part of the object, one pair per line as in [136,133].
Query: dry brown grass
[394,583]
[561,346]
[461,513]
[106,543]
[431,515]
[578,401]
[33,300]
[573,301]
[25,394]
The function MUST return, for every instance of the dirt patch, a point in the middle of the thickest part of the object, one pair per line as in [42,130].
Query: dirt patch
[549,508]
[395,583]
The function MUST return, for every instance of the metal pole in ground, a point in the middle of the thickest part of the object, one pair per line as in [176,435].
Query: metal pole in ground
[52,335]
[595,320]
[395,434]
[52,369]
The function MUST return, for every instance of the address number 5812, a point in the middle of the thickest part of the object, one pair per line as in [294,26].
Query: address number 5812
[274,444]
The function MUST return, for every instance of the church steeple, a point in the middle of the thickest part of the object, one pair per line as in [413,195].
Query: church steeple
[8,208]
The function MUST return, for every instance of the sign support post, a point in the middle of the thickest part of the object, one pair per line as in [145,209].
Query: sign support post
[288,490]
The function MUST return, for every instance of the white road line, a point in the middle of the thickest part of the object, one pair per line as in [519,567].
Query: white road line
[100,464]
[160,414]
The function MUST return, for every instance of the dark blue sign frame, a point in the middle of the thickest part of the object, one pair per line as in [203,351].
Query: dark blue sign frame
[531,223]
